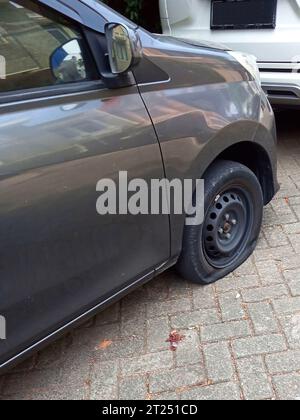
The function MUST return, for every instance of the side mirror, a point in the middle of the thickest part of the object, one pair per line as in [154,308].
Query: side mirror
[124,48]
[66,63]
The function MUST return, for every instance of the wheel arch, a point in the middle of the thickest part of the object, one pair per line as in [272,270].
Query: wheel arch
[256,158]
[258,154]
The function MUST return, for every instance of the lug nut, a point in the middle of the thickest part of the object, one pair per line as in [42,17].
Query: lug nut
[221,231]
[227,217]
[234,222]
[228,236]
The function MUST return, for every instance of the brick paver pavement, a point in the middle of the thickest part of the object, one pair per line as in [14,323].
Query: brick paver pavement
[241,336]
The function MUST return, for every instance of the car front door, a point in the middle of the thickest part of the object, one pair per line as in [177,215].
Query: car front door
[61,131]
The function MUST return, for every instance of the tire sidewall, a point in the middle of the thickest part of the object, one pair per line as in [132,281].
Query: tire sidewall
[232,176]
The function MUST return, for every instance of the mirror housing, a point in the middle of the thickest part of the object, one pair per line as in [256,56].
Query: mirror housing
[124,48]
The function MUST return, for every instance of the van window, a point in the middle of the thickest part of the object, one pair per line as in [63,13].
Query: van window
[36,51]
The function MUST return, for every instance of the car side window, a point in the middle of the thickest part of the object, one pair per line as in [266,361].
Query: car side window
[38,51]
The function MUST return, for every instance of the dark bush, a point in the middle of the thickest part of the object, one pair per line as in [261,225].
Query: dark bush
[143,12]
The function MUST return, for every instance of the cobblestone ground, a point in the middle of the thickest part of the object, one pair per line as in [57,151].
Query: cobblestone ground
[242,335]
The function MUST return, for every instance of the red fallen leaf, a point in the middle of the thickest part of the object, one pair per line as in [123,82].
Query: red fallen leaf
[174,339]
[287,200]
[104,345]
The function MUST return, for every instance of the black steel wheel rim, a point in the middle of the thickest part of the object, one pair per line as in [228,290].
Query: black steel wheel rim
[227,226]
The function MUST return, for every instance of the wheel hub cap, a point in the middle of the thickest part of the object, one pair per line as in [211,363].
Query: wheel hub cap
[226,226]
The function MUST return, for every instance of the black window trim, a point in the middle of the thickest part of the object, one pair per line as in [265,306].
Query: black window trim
[51,91]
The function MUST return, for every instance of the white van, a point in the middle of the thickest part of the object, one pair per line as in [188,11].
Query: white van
[268,29]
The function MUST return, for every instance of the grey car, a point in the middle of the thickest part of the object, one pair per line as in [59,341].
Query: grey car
[84,95]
